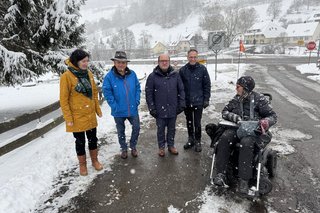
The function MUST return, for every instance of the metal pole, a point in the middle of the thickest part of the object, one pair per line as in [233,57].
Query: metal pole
[238,65]
[318,62]
[216,66]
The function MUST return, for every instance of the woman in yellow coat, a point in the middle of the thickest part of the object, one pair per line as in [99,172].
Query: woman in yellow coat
[79,104]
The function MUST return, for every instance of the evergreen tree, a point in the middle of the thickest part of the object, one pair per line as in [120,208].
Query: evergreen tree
[36,36]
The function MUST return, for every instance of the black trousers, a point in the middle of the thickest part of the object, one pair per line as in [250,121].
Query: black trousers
[162,123]
[193,117]
[81,141]
[226,144]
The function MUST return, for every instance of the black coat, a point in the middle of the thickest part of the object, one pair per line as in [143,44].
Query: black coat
[165,93]
[262,109]
[197,84]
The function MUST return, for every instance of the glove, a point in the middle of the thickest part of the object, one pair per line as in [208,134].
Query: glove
[264,125]
[205,104]
[153,112]
[179,110]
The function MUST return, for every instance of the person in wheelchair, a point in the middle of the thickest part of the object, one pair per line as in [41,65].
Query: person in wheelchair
[246,105]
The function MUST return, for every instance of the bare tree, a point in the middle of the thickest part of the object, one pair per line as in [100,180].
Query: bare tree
[274,9]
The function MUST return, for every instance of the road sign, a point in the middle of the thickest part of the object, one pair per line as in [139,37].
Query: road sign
[216,40]
[311,45]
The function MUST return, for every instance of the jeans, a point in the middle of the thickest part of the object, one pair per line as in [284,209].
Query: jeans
[193,116]
[120,124]
[81,141]
[162,123]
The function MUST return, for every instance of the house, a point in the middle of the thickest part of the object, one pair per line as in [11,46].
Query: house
[197,42]
[265,33]
[181,46]
[158,48]
[303,32]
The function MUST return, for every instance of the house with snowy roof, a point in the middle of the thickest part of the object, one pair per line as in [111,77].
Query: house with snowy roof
[309,31]
[264,33]
[176,47]
[158,48]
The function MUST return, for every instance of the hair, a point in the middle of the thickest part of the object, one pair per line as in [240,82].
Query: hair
[159,58]
[77,56]
[192,50]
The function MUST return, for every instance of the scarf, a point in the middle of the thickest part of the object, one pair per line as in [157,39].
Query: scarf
[84,85]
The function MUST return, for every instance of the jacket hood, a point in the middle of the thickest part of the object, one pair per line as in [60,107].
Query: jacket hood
[69,64]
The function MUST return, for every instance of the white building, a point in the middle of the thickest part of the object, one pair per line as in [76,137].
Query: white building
[303,32]
[264,33]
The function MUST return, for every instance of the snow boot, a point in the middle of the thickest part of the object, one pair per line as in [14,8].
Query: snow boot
[83,165]
[189,144]
[197,147]
[94,159]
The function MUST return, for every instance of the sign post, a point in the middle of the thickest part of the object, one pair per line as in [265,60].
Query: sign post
[318,58]
[216,42]
[311,46]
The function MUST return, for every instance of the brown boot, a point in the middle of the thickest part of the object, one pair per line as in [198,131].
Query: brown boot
[173,150]
[83,165]
[94,159]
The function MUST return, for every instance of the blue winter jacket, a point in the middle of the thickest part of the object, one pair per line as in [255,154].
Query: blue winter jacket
[122,93]
[197,84]
[165,93]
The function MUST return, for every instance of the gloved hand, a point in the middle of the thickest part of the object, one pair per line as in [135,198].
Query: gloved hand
[179,110]
[205,104]
[238,118]
[264,125]
[153,112]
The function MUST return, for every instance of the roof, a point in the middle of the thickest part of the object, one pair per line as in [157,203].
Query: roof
[302,29]
[156,43]
[268,29]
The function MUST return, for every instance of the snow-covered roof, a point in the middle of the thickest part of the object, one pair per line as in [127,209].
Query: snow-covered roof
[156,43]
[268,29]
[302,29]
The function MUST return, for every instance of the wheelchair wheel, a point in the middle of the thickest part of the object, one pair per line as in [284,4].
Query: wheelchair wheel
[265,186]
[271,164]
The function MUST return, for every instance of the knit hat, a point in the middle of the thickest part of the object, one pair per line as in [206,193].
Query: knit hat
[247,83]
[77,56]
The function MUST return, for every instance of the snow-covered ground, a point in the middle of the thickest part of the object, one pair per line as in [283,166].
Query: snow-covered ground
[310,69]
[33,172]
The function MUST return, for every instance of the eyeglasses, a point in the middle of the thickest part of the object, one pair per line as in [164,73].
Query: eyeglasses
[164,61]
[193,57]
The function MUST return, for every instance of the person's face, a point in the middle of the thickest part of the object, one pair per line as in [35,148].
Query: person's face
[120,65]
[193,57]
[164,62]
[83,64]
[239,89]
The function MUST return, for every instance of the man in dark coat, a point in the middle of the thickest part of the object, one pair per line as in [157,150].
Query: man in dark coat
[246,105]
[197,86]
[165,99]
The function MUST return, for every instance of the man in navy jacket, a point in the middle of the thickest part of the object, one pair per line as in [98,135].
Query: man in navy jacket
[165,99]
[121,89]
[197,86]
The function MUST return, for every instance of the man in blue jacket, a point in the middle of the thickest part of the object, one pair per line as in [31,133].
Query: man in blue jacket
[121,89]
[197,86]
[165,99]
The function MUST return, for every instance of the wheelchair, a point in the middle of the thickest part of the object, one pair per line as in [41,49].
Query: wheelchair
[264,161]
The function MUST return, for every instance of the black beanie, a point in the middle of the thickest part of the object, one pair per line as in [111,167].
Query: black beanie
[77,56]
[247,83]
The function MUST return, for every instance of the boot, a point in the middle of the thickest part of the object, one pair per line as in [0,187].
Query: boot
[94,159]
[189,144]
[220,180]
[243,186]
[197,147]
[83,165]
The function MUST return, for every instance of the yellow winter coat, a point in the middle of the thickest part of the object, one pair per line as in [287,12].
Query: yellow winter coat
[76,107]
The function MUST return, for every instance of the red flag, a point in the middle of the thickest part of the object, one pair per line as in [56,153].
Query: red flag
[242,49]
